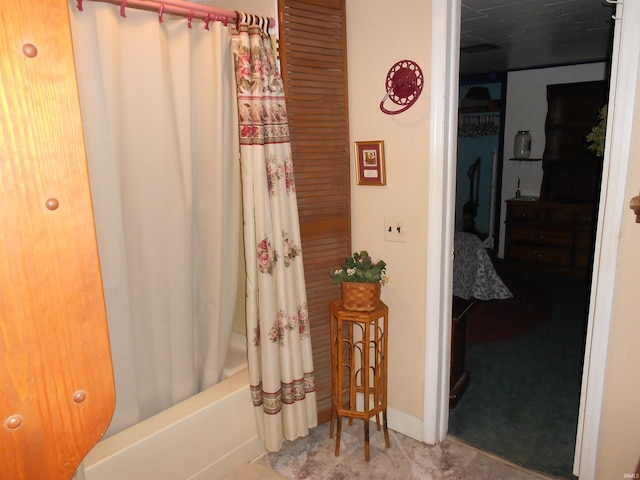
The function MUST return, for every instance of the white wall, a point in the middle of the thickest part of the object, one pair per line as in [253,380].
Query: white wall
[526,109]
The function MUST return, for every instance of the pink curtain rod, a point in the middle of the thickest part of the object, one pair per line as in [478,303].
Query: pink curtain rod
[183,9]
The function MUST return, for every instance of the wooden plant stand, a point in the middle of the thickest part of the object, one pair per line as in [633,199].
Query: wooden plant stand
[359,369]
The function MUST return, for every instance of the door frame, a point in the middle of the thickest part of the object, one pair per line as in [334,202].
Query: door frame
[613,205]
[444,79]
[445,60]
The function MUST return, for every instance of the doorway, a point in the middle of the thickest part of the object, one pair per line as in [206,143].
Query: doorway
[518,378]
[528,378]
[444,82]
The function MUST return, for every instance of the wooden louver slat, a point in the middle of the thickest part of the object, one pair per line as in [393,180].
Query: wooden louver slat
[314,70]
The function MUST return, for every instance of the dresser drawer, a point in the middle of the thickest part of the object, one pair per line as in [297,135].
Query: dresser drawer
[583,240]
[584,216]
[541,236]
[541,254]
[552,235]
[524,211]
[582,259]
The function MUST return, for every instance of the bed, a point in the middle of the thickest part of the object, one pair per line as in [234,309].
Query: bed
[474,275]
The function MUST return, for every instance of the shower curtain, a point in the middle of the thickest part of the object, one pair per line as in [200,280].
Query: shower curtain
[279,344]
[160,124]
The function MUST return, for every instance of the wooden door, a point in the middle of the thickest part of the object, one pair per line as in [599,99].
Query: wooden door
[57,392]
[314,69]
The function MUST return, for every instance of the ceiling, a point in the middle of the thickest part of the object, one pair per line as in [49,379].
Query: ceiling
[501,35]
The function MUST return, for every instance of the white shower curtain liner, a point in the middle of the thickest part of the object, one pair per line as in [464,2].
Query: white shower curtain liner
[160,126]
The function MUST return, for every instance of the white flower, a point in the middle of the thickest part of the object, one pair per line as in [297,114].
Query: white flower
[351,271]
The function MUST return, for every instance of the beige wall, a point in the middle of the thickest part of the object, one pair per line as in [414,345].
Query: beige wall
[267,8]
[619,442]
[380,34]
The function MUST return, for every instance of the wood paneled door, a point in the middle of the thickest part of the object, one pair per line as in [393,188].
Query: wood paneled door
[313,56]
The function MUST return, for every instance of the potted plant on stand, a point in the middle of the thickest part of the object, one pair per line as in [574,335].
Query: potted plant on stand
[360,279]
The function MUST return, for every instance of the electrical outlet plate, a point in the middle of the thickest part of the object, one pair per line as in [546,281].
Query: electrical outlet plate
[394,229]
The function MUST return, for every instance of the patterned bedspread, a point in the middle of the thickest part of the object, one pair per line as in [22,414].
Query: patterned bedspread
[473,271]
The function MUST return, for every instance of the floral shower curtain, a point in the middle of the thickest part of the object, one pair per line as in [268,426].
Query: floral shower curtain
[279,346]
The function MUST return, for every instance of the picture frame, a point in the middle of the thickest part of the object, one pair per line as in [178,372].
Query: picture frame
[370,168]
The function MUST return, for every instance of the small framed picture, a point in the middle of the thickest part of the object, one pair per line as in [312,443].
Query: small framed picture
[370,163]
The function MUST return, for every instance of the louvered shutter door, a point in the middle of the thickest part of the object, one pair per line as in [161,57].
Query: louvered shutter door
[314,68]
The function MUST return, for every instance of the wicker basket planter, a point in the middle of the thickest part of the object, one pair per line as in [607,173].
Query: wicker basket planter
[361,297]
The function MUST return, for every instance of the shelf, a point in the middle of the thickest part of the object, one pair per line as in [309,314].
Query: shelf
[479,106]
[525,198]
[485,110]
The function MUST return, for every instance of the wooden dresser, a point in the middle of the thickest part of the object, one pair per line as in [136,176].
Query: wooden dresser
[556,236]
[556,231]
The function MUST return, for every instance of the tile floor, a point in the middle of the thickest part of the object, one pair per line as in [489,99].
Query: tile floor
[313,457]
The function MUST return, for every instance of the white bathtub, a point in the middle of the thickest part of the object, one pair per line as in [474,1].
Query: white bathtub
[205,437]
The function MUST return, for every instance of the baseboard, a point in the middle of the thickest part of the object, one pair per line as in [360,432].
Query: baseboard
[405,424]
[398,421]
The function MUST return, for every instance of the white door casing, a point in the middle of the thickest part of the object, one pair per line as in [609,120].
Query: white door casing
[445,48]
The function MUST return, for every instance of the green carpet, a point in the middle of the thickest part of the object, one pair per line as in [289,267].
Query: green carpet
[522,402]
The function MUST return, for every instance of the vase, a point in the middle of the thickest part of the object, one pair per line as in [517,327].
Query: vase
[522,145]
[361,297]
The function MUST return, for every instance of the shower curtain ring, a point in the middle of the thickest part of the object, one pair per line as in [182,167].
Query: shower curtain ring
[123,6]
[190,18]
[80,5]
[161,14]
[206,21]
